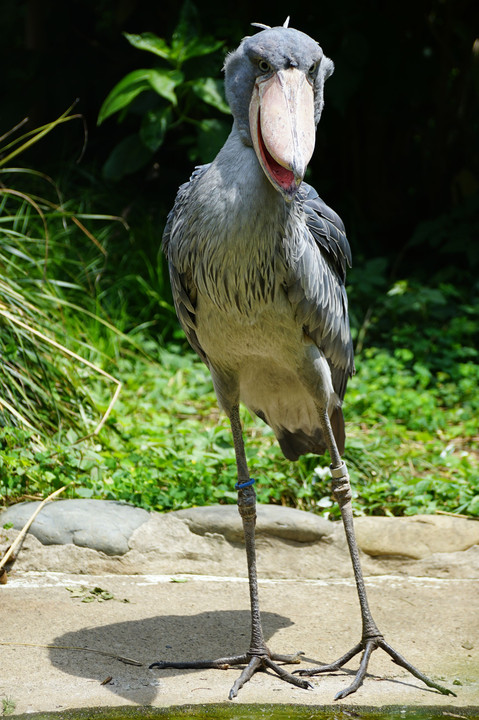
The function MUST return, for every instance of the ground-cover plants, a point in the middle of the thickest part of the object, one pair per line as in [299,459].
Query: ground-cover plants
[411,410]
[71,293]
[166,446]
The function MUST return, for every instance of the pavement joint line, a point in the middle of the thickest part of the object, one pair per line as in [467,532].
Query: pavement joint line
[32,579]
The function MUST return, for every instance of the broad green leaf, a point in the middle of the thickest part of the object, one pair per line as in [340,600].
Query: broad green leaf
[211,91]
[126,158]
[197,47]
[124,93]
[164,83]
[151,43]
[160,80]
[182,48]
[473,506]
[154,126]
[186,41]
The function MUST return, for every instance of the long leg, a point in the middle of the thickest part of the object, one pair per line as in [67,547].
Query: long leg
[258,657]
[259,654]
[371,637]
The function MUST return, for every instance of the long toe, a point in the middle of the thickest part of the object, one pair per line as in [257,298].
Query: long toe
[358,680]
[289,677]
[368,647]
[219,664]
[332,667]
[402,662]
[254,664]
[264,662]
[294,659]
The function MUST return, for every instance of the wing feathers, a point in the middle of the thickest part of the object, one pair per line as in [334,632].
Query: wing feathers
[317,256]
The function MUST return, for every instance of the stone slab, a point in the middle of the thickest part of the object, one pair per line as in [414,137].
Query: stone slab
[416,536]
[103,525]
[184,577]
[273,520]
[290,543]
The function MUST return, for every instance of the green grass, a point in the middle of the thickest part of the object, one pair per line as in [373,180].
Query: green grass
[50,263]
[412,444]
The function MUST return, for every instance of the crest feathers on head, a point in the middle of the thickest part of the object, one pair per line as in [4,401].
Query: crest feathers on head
[268,27]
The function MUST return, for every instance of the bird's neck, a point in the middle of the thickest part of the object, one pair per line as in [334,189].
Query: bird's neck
[243,186]
[237,222]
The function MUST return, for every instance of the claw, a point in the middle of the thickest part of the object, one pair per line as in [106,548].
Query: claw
[400,660]
[296,658]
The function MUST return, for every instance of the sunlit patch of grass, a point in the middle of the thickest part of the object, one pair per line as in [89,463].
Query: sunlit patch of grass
[8,705]
[167,447]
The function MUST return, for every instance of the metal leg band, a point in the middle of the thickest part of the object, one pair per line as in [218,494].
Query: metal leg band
[339,472]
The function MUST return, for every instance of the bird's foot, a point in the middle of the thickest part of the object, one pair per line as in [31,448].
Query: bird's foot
[268,662]
[368,645]
[252,662]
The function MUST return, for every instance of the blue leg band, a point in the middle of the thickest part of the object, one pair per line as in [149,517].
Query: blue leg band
[248,483]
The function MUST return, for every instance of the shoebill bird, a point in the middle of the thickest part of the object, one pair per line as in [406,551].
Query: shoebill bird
[257,263]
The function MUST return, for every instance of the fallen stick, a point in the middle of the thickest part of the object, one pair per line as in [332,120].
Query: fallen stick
[19,539]
[121,658]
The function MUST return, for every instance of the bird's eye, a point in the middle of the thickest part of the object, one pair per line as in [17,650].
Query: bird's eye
[264,66]
[313,68]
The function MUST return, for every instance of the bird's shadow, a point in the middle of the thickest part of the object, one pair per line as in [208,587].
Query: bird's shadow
[118,655]
[104,653]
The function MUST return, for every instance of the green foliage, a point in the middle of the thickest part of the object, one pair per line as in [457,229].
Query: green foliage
[48,261]
[411,410]
[88,595]
[421,436]
[410,448]
[437,322]
[170,94]
[8,706]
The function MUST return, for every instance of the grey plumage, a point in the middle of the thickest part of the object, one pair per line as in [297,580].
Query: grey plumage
[242,258]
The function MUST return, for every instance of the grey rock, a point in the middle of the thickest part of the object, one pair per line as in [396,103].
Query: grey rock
[417,536]
[98,537]
[273,520]
[97,524]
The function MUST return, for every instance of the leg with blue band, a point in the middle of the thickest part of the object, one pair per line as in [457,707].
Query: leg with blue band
[258,656]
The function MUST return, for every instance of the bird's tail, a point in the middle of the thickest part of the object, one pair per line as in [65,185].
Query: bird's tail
[298,442]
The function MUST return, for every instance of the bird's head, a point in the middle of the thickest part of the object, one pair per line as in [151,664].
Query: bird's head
[274,86]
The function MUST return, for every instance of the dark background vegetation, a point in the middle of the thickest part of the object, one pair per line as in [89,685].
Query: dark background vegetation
[397,144]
